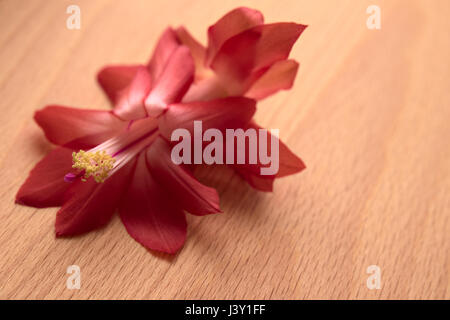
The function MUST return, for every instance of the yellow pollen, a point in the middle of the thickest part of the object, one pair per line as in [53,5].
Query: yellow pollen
[96,164]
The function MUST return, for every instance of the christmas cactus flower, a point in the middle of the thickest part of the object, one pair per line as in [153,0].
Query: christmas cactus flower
[122,160]
[119,160]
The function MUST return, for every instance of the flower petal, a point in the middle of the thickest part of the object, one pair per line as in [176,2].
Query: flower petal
[280,76]
[231,24]
[113,79]
[258,182]
[90,205]
[206,89]
[289,164]
[167,44]
[173,83]
[45,185]
[276,42]
[226,113]
[130,100]
[62,125]
[242,58]
[150,215]
[193,196]
[198,51]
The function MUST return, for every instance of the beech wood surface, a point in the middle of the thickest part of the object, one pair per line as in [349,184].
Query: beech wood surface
[369,114]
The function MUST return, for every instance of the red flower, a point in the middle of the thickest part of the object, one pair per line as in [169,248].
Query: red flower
[108,160]
[120,159]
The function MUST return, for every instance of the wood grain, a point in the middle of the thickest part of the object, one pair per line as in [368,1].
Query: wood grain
[369,114]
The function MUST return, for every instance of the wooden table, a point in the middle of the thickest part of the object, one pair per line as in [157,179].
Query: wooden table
[369,114]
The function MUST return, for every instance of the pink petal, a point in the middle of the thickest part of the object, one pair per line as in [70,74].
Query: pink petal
[45,184]
[234,63]
[233,23]
[198,51]
[113,79]
[90,205]
[130,100]
[167,44]
[62,125]
[242,58]
[150,215]
[276,42]
[226,113]
[206,89]
[193,196]
[280,76]
[173,83]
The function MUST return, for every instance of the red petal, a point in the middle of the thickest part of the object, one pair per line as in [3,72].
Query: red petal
[62,125]
[115,78]
[233,23]
[198,51]
[242,57]
[289,164]
[167,44]
[193,196]
[150,215]
[231,112]
[173,82]
[261,183]
[90,205]
[45,184]
[280,76]
[130,100]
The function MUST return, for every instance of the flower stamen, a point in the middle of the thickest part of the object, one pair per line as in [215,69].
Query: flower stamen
[96,164]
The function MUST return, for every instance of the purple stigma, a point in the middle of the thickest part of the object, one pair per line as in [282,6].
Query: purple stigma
[70,177]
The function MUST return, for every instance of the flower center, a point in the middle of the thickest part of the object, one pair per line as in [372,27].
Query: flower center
[111,155]
[96,164]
